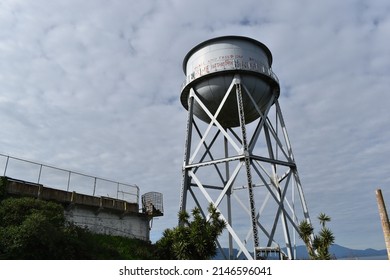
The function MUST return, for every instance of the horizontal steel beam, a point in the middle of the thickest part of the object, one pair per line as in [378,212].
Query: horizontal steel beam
[274,161]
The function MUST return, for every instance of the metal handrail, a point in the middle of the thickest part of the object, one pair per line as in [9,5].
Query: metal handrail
[235,65]
[134,189]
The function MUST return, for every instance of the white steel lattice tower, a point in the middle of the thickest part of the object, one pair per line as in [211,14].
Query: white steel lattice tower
[239,157]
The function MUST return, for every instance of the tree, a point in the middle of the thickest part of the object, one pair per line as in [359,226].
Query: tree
[30,228]
[33,229]
[317,245]
[193,239]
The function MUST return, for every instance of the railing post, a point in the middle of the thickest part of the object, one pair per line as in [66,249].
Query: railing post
[94,187]
[40,171]
[67,188]
[137,194]
[6,165]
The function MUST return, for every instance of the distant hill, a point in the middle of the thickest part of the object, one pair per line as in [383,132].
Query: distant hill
[343,252]
[339,252]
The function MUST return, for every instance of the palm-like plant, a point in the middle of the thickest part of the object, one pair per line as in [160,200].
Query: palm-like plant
[305,232]
[193,239]
[317,245]
[323,219]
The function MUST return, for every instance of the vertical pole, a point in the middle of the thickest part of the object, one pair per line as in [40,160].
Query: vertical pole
[186,179]
[228,198]
[384,219]
[247,161]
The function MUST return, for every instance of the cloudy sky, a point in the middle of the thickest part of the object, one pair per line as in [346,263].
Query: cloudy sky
[94,85]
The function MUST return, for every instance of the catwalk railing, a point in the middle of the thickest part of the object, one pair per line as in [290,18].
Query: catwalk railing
[72,181]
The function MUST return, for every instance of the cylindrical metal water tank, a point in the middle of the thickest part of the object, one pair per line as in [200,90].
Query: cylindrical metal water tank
[210,68]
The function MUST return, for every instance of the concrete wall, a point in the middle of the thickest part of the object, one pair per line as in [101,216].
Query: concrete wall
[109,222]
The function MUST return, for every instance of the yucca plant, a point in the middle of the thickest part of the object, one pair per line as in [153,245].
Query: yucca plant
[317,245]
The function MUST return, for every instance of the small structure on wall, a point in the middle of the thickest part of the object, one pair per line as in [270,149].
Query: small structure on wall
[152,204]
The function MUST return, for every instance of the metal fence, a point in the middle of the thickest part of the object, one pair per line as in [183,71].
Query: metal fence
[63,179]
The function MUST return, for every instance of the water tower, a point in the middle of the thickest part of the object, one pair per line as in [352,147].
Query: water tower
[237,152]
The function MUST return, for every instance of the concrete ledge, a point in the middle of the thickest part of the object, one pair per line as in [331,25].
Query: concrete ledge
[23,188]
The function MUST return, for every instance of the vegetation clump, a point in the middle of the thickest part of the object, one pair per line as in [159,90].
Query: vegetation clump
[193,239]
[317,244]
